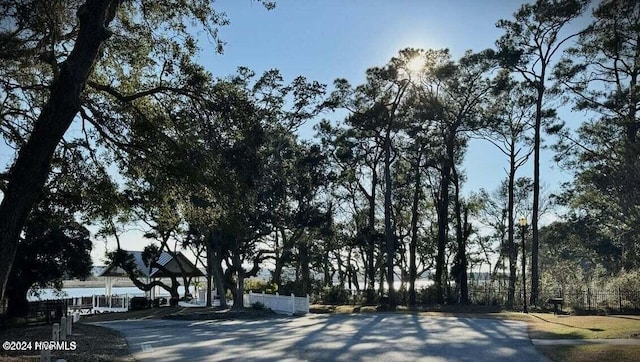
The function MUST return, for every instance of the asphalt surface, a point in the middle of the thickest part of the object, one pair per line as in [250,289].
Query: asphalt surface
[335,337]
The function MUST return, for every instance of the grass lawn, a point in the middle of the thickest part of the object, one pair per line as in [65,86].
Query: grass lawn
[549,326]
[542,325]
[591,353]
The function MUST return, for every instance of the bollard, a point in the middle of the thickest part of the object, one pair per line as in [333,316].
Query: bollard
[69,325]
[63,328]
[45,355]
[55,336]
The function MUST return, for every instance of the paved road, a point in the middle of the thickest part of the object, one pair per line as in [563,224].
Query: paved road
[381,337]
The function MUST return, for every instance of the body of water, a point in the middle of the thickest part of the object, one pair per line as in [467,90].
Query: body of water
[88,292]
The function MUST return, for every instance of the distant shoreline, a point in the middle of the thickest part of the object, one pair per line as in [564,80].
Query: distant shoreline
[95,283]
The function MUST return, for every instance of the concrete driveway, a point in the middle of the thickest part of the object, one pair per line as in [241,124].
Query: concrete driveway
[381,337]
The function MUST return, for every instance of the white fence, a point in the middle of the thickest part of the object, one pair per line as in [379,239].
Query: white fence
[100,303]
[120,303]
[279,303]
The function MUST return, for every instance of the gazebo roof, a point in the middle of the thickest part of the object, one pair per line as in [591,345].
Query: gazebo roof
[178,266]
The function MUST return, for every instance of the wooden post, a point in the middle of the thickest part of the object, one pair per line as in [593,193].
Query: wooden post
[45,355]
[69,325]
[63,328]
[293,304]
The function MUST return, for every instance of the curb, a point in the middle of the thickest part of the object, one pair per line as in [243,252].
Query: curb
[575,342]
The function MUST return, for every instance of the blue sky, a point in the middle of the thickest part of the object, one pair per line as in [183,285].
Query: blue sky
[327,39]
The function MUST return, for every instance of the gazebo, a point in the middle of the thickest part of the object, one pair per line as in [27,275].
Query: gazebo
[177,266]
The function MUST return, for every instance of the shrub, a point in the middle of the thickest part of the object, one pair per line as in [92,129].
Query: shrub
[335,295]
[138,303]
[427,295]
[258,306]
[259,286]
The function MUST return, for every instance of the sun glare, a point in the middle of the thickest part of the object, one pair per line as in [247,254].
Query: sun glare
[415,66]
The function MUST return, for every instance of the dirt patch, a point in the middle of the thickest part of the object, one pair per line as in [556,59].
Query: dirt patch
[222,314]
[185,313]
[152,313]
[93,343]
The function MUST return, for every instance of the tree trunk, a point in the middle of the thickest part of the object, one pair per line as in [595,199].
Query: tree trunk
[29,173]
[281,259]
[461,254]
[513,250]
[371,236]
[209,302]
[443,232]
[328,276]
[186,281]
[389,234]
[214,269]
[413,244]
[173,291]
[238,298]
[305,272]
[342,273]
[536,194]
[18,305]
[218,277]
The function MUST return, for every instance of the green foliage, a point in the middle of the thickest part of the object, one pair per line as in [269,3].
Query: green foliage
[259,286]
[626,280]
[583,242]
[54,247]
[604,154]
[336,294]
[564,276]
[427,295]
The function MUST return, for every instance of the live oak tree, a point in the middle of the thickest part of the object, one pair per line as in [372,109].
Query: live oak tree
[582,242]
[150,258]
[51,51]
[226,170]
[530,42]
[53,247]
[301,215]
